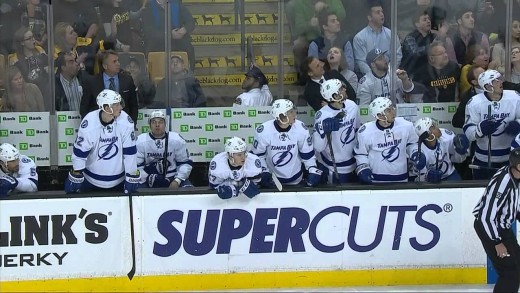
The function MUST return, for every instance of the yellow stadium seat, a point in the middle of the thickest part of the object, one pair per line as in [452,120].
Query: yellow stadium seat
[156,63]
[11,59]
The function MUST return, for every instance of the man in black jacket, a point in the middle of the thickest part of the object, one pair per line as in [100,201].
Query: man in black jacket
[69,82]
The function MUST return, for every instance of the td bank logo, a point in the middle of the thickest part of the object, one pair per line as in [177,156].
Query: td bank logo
[251,139]
[426,109]
[140,116]
[251,113]
[68,158]
[203,141]
[62,118]
[203,114]
[23,146]
[227,114]
[363,111]
[22,119]
[452,109]
[233,126]
[4,133]
[185,128]
[312,113]
[208,127]
[62,145]
[29,132]
[69,131]
[209,154]
[145,129]
[177,115]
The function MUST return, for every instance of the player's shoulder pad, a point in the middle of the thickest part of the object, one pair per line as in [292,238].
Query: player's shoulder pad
[26,160]
[318,114]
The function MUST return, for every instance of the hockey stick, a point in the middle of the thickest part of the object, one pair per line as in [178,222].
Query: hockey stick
[131,273]
[489,139]
[165,156]
[277,182]
[477,167]
[333,158]
[423,136]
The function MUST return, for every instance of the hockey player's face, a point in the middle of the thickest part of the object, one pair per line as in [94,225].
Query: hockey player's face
[116,109]
[157,126]
[389,114]
[13,166]
[237,159]
[248,83]
[497,85]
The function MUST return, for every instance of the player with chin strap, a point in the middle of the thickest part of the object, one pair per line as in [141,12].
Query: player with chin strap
[283,144]
[104,153]
[442,148]
[334,135]
[492,120]
[151,153]
[385,145]
[235,171]
[17,172]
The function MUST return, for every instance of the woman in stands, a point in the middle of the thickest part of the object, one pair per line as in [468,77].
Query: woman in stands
[21,96]
[336,61]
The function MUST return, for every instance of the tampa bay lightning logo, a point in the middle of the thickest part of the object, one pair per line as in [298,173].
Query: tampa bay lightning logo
[130,120]
[236,175]
[255,143]
[501,129]
[391,154]
[159,143]
[109,128]
[318,115]
[496,106]
[260,128]
[84,124]
[346,136]
[213,165]
[281,159]
[283,136]
[25,160]
[257,163]
[108,151]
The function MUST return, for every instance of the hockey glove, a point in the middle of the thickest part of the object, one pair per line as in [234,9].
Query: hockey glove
[434,176]
[131,183]
[487,127]
[226,191]
[418,160]
[249,188]
[155,167]
[461,144]
[365,174]
[513,128]
[266,180]
[73,182]
[314,177]
[330,125]
[157,181]
[7,184]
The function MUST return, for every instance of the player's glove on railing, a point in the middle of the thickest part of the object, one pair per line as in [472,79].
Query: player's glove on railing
[157,181]
[461,144]
[226,191]
[364,174]
[131,183]
[74,181]
[249,188]
[434,176]
[314,177]
[7,184]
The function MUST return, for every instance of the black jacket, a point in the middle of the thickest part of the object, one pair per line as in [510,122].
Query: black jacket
[312,92]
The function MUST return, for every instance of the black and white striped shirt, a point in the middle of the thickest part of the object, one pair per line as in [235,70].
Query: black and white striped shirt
[499,204]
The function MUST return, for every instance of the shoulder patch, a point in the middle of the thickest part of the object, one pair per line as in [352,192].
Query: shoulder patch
[309,141]
[260,128]
[255,143]
[130,120]
[132,135]
[213,165]
[304,126]
[84,124]
[257,163]
[363,79]
[362,128]
[318,115]
[26,160]
[449,132]
[238,101]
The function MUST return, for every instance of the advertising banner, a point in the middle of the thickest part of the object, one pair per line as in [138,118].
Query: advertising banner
[64,238]
[29,132]
[68,123]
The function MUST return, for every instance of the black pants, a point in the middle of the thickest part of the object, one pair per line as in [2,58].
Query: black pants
[508,267]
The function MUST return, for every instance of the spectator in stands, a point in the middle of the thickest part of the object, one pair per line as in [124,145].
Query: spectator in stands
[374,35]
[466,36]
[66,39]
[472,75]
[331,37]
[35,18]
[111,78]
[476,55]
[135,68]
[440,76]
[256,88]
[377,82]
[10,14]
[182,25]
[118,22]
[416,43]
[336,61]
[69,82]
[515,64]
[313,68]
[22,96]
[499,49]
[80,13]
[185,89]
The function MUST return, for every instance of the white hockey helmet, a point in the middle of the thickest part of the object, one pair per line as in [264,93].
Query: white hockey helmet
[157,114]
[423,125]
[108,97]
[8,153]
[378,106]
[330,88]
[486,78]
[235,145]
[281,107]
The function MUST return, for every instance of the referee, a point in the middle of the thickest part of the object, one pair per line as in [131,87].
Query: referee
[494,214]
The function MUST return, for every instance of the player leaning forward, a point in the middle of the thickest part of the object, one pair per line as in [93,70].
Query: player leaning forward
[156,146]
[104,153]
[235,171]
[17,172]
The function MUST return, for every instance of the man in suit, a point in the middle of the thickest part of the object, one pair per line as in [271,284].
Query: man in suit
[69,82]
[111,78]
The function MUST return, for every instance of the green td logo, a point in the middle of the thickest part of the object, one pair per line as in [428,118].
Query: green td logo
[209,154]
[62,118]
[177,115]
[203,141]
[251,113]
[140,116]
[426,109]
[185,128]
[233,126]
[226,139]
[69,131]
[24,146]
[62,145]
[4,133]
[68,158]
[251,139]
[452,109]
[363,111]
[145,129]
[312,113]
[29,132]
[22,119]
[257,124]
[203,114]
[32,158]
[209,127]
[227,114]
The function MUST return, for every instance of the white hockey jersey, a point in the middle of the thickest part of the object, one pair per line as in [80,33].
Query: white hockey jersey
[442,156]
[386,150]
[105,152]
[371,87]
[151,150]
[283,151]
[254,97]
[221,173]
[343,141]
[27,176]
[505,110]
